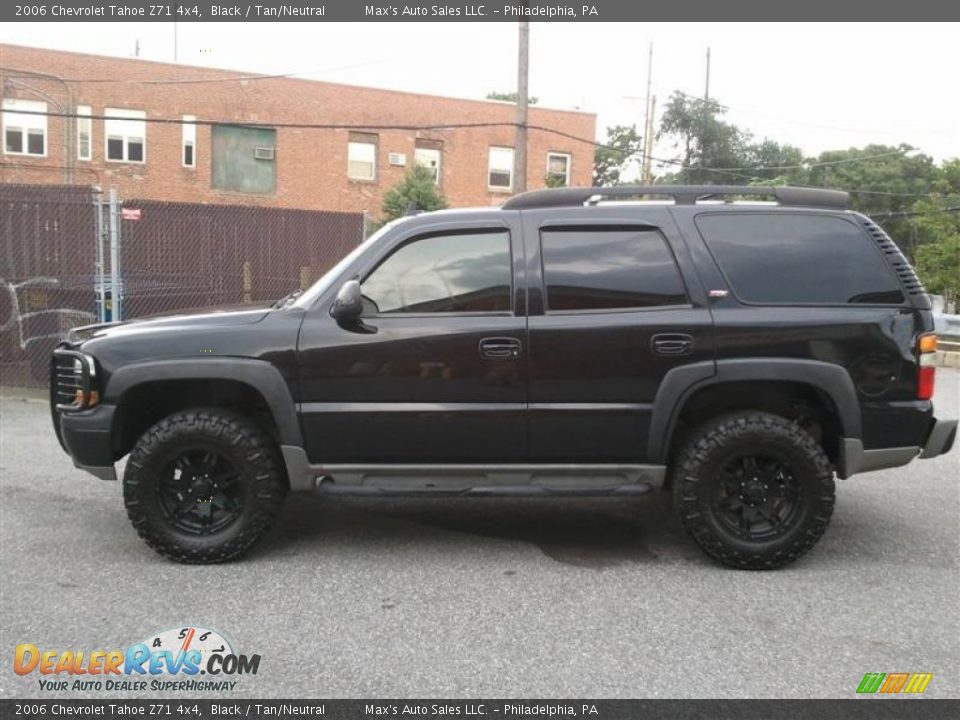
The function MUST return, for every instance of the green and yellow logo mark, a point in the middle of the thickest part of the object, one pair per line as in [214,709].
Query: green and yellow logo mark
[894,683]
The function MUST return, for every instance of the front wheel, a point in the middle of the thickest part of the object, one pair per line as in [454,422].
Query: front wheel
[202,486]
[753,489]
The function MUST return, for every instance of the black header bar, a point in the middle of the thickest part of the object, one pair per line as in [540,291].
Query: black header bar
[480,11]
[226,708]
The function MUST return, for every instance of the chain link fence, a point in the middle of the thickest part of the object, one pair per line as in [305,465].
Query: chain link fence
[47,260]
[56,273]
[180,256]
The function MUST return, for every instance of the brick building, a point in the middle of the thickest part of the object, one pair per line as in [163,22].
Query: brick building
[259,159]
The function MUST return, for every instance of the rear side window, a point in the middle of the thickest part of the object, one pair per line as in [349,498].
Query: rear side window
[779,258]
[608,268]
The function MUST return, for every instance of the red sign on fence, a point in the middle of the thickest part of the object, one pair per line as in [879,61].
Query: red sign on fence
[131,213]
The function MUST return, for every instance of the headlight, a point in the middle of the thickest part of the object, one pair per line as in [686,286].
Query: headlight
[74,380]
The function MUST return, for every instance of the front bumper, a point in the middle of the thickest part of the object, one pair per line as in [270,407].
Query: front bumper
[940,439]
[87,436]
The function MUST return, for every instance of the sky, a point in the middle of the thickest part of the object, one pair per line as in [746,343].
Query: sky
[819,86]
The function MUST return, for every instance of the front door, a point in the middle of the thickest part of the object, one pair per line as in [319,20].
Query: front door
[436,370]
[610,316]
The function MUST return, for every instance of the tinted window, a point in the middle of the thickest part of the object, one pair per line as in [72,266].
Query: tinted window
[466,272]
[783,258]
[594,269]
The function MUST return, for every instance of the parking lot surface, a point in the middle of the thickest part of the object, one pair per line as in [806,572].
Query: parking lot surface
[493,597]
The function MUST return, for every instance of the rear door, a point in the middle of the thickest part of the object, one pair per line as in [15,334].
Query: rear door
[614,306]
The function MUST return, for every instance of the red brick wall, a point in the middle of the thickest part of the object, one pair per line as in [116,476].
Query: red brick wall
[311,164]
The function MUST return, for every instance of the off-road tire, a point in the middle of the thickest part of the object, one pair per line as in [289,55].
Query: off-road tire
[696,478]
[260,471]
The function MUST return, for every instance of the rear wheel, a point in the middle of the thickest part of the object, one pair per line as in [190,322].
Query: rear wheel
[753,489]
[202,486]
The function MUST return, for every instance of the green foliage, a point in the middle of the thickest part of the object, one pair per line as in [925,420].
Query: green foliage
[702,140]
[554,181]
[622,146]
[416,188]
[509,97]
[888,174]
[938,228]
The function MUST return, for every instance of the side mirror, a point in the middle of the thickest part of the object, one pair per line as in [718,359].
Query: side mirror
[348,305]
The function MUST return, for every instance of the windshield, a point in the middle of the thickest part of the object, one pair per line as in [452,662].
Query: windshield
[320,286]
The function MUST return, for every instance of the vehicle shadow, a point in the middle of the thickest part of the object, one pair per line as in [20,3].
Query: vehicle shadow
[586,532]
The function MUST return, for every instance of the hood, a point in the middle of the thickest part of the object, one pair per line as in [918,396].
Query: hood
[219,318]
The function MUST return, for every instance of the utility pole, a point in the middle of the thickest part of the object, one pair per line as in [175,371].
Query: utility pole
[647,121]
[706,91]
[648,143]
[136,47]
[523,94]
[175,42]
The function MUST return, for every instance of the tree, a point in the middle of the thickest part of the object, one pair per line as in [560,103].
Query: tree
[703,142]
[770,163]
[509,97]
[886,179]
[938,225]
[611,159]
[416,189]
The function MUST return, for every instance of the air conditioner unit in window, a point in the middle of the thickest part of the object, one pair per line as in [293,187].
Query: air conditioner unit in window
[262,152]
[398,159]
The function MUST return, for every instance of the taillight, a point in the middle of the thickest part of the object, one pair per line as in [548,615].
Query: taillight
[926,357]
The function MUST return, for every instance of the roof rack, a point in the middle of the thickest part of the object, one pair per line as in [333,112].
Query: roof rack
[681,194]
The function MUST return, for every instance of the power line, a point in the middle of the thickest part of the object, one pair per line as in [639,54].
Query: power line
[791,121]
[914,213]
[191,81]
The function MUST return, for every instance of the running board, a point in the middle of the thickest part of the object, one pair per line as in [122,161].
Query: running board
[514,480]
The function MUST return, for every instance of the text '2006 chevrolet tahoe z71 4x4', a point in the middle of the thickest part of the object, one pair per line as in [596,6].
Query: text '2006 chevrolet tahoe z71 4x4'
[738,354]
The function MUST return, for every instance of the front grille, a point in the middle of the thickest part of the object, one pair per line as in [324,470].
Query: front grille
[906,273]
[68,374]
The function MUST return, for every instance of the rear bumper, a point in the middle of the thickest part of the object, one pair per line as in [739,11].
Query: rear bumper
[940,439]
[87,436]
[854,459]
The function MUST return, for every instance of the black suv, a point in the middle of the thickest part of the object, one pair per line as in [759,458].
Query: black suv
[575,341]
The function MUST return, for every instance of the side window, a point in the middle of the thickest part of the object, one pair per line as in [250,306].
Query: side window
[453,272]
[608,268]
[776,258]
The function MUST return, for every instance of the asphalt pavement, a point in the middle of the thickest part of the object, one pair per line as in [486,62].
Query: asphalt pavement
[492,597]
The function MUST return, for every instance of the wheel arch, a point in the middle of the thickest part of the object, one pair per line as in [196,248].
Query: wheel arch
[682,384]
[258,377]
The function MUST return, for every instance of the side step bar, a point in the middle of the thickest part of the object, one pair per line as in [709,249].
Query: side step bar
[511,480]
[330,487]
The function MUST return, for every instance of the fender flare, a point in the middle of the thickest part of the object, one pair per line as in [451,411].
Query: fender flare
[258,374]
[680,383]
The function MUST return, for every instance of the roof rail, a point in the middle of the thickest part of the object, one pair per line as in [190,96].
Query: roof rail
[681,194]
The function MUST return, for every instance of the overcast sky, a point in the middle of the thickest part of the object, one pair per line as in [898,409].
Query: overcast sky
[818,85]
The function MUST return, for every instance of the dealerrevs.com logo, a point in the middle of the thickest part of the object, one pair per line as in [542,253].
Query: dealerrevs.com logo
[188,659]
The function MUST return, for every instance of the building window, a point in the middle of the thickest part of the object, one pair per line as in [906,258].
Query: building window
[189,155]
[243,159]
[500,169]
[24,134]
[362,156]
[84,132]
[427,154]
[558,169]
[126,135]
